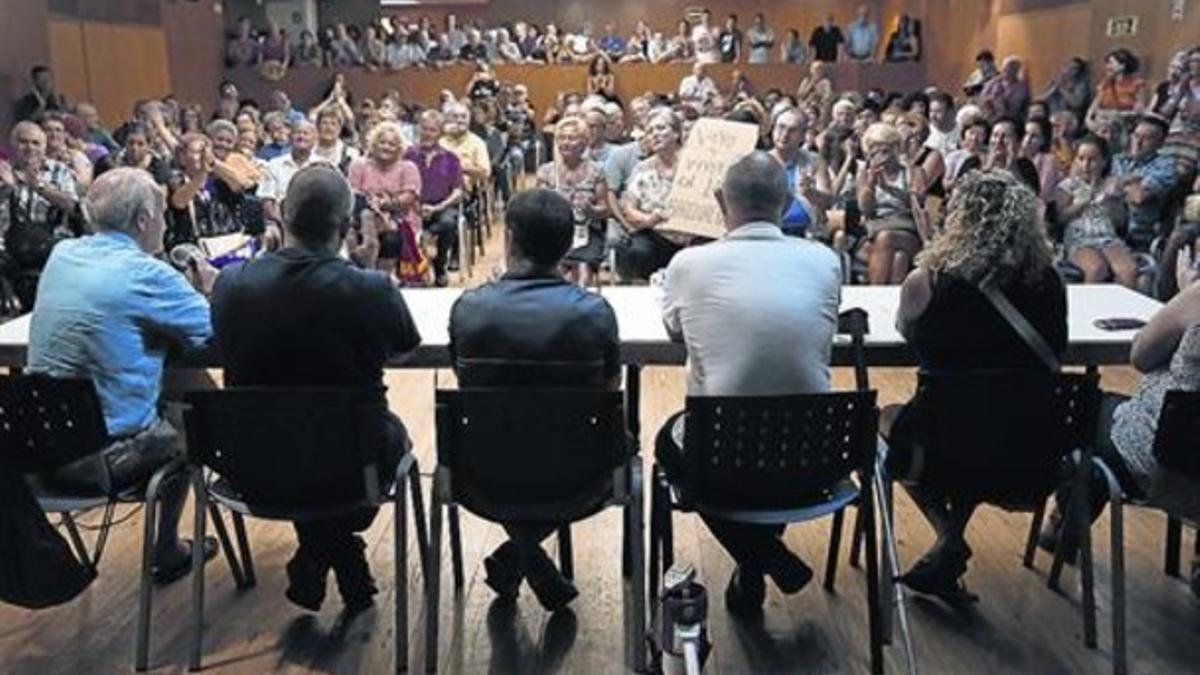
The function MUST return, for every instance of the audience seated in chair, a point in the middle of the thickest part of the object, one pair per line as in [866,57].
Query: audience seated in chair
[1146,178]
[353,321]
[105,307]
[992,236]
[1167,353]
[441,190]
[1089,206]
[889,194]
[532,328]
[758,312]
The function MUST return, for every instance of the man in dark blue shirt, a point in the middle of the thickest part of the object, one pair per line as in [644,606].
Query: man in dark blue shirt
[303,316]
[532,328]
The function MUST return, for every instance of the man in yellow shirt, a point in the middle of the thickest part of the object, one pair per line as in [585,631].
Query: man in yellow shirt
[472,152]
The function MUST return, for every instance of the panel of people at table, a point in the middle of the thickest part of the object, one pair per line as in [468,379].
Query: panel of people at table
[756,309]
[397,42]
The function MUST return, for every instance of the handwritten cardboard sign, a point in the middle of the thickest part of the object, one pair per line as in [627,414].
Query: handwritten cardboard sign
[711,147]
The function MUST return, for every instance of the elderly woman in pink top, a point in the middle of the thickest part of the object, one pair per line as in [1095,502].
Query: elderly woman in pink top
[392,187]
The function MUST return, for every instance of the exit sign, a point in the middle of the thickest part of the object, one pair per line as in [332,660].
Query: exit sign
[1122,26]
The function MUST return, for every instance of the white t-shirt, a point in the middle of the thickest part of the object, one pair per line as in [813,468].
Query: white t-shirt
[704,40]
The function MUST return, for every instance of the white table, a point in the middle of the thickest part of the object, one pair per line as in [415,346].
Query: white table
[644,340]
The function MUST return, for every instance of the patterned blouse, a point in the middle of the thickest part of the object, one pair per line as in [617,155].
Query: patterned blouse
[578,188]
[1093,227]
[648,190]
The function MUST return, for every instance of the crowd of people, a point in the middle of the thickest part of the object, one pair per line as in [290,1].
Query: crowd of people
[944,192]
[396,42]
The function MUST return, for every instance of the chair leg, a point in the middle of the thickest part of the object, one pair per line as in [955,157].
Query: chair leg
[835,544]
[455,545]
[1171,562]
[231,554]
[433,582]
[1087,571]
[414,481]
[200,491]
[856,540]
[566,554]
[1117,527]
[400,578]
[243,542]
[81,550]
[1035,529]
[656,515]
[634,517]
[891,568]
[668,534]
[141,654]
[875,624]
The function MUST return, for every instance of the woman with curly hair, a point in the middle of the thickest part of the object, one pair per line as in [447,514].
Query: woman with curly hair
[992,238]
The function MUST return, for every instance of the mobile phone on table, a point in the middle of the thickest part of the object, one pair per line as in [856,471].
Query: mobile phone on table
[1119,323]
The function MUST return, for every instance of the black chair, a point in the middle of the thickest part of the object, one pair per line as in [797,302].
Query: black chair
[1015,460]
[296,454]
[552,456]
[1175,450]
[775,460]
[46,423]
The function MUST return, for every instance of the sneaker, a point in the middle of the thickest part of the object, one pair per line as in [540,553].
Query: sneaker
[745,593]
[788,571]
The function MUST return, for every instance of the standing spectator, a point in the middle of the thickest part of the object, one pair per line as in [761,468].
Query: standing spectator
[392,187]
[275,47]
[705,40]
[1089,210]
[826,40]
[862,36]
[344,49]
[580,180]
[308,54]
[455,38]
[729,41]
[678,48]
[1007,94]
[698,88]
[474,51]
[95,133]
[985,70]
[761,39]
[612,44]
[507,50]
[41,98]
[793,49]
[601,80]
[1071,89]
[243,48]
[905,43]
[441,189]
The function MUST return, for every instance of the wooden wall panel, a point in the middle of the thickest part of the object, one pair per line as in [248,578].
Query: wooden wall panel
[24,42]
[125,63]
[1053,35]
[68,59]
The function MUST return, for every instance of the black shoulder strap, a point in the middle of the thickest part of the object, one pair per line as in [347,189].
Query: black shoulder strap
[1013,316]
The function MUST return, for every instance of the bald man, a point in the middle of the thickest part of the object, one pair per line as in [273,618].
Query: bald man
[106,310]
[303,316]
[758,311]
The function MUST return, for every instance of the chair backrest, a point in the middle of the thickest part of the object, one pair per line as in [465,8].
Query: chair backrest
[776,451]
[1177,441]
[1001,436]
[534,455]
[290,447]
[49,422]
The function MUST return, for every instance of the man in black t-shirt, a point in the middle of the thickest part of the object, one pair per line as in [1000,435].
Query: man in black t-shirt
[304,317]
[826,40]
[729,42]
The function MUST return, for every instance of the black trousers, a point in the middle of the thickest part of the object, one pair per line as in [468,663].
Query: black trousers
[643,253]
[327,540]
[749,545]
[444,226]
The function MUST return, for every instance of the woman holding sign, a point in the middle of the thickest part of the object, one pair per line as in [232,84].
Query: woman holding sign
[644,205]
[581,182]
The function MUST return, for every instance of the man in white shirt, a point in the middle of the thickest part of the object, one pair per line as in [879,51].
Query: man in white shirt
[758,311]
[280,170]
[704,40]
[698,88]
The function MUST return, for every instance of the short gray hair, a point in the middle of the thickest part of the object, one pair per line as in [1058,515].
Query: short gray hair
[117,197]
[218,125]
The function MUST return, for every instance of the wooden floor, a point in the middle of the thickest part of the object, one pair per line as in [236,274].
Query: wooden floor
[1019,626]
